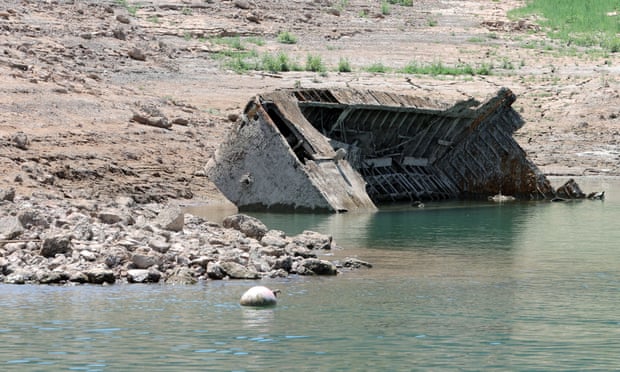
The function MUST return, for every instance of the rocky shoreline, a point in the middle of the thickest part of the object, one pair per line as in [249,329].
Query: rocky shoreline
[76,241]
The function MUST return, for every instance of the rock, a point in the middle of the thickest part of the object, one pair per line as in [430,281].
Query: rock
[143,276]
[242,4]
[10,228]
[181,275]
[20,277]
[142,261]
[30,218]
[171,218]
[259,296]
[215,271]
[137,54]
[78,277]
[123,19]
[275,238]
[296,250]
[110,216]
[8,194]
[354,263]
[250,226]
[100,276]
[235,270]
[283,263]
[20,140]
[59,244]
[315,266]
[120,34]
[159,245]
[313,240]
[51,277]
[88,255]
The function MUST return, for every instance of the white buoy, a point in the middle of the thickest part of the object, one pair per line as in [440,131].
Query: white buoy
[259,296]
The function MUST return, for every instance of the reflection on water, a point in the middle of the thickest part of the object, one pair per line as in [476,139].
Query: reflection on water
[520,286]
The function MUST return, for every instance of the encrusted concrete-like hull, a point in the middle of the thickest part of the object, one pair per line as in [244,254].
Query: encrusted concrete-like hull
[342,150]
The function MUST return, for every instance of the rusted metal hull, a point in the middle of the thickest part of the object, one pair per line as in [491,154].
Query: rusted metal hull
[347,149]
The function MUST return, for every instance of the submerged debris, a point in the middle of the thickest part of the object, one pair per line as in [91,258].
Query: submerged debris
[340,150]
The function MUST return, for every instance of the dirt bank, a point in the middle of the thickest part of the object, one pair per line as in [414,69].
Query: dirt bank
[74,73]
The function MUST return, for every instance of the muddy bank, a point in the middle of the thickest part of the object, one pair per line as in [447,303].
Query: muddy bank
[59,241]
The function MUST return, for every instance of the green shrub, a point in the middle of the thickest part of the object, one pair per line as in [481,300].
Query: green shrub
[378,68]
[314,63]
[344,65]
[286,37]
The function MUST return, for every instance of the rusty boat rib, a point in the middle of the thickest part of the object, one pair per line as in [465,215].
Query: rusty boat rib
[342,150]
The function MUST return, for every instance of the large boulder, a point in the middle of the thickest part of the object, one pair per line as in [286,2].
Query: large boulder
[171,218]
[59,244]
[237,271]
[181,275]
[313,240]
[100,276]
[143,276]
[315,266]
[248,225]
[10,228]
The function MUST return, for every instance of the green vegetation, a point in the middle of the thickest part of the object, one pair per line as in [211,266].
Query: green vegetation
[278,63]
[132,9]
[153,19]
[439,68]
[344,65]
[378,68]
[431,22]
[385,8]
[579,22]
[402,2]
[314,63]
[286,37]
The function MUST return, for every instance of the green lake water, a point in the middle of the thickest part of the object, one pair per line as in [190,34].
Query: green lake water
[455,286]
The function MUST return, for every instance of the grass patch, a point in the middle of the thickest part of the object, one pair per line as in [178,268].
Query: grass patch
[439,68]
[286,37]
[230,41]
[385,8]
[314,63]
[344,65]
[378,68]
[580,22]
[280,62]
[401,2]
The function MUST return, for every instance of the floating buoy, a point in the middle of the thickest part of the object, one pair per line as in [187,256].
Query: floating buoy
[259,296]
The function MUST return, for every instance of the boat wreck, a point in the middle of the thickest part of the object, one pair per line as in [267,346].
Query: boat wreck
[342,150]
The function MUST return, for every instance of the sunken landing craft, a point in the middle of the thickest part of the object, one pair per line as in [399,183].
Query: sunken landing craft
[342,150]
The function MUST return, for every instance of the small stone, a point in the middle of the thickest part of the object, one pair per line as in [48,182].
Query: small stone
[20,140]
[123,19]
[137,54]
[110,216]
[159,245]
[8,194]
[242,4]
[88,255]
